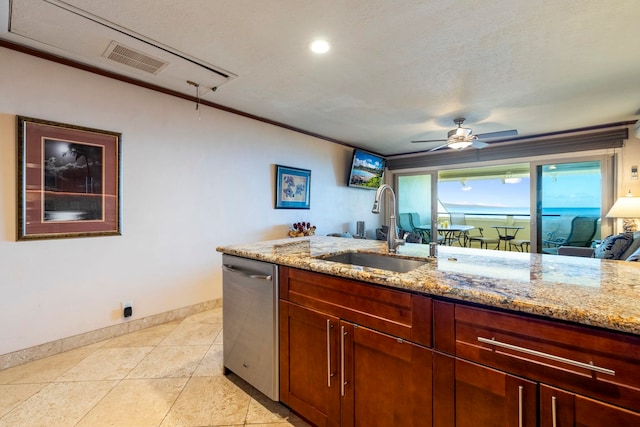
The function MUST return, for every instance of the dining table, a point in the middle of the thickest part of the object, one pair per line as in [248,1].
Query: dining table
[506,233]
[451,233]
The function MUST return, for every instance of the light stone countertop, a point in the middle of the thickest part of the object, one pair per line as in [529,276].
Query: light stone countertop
[588,291]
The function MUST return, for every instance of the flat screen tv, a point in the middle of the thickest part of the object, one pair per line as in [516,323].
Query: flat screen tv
[366,170]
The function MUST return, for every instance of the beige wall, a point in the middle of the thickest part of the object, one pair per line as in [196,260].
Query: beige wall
[190,184]
[629,156]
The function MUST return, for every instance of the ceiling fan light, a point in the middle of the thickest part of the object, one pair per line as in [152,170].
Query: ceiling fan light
[459,145]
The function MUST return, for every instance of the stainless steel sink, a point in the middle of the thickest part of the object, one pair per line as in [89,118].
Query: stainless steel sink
[382,262]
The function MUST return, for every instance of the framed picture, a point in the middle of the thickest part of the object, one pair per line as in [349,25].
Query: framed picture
[292,188]
[68,181]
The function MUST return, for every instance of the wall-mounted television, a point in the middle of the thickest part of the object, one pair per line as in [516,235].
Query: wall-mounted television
[366,170]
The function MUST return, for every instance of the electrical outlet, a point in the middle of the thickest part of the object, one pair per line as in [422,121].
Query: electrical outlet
[127,308]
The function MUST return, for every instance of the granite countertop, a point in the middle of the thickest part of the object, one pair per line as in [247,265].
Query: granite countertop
[588,291]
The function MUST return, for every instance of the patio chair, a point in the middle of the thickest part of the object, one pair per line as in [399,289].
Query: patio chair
[521,245]
[404,223]
[484,241]
[462,237]
[419,227]
[465,239]
[407,229]
[583,229]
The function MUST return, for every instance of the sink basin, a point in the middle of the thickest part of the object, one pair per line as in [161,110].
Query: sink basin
[382,262]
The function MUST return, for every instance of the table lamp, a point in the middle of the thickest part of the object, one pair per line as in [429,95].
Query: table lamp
[627,208]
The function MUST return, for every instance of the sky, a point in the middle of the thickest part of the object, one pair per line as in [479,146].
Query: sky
[367,160]
[485,192]
[557,192]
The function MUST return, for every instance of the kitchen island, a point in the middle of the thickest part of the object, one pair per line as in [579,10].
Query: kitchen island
[467,338]
[588,291]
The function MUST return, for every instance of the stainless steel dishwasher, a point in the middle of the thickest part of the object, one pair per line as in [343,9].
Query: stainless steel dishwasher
[250,322]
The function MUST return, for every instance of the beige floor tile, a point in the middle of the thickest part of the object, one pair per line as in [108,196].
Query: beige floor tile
[212,363]
[138,403]
[170,362]
[209,401]
[264,410]
[281,424]
[144,338]
[209,316]
[58,404]
[14,394]
[106,364]
[219,338]
[169,375]
[46,369]
[193,334]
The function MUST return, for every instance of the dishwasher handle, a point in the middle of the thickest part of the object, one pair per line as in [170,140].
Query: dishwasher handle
[232,269]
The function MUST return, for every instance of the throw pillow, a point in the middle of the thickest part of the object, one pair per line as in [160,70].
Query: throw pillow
[613,246]
[634,256]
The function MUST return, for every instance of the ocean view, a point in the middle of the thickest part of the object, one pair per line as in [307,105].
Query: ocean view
[470,209]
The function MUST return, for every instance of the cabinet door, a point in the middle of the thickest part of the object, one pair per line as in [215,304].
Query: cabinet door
[476,396]
[387,381]
[559,408]
[309,350]
[592,413]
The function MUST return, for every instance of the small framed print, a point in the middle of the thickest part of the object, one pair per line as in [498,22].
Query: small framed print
[293,187]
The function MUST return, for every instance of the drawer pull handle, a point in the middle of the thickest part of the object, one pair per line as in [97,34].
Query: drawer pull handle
[329,352]
[525,350]
[231,269]
[554,411]
[342,383]
[520,392]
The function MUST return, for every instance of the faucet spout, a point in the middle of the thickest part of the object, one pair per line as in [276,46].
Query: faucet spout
[392,235]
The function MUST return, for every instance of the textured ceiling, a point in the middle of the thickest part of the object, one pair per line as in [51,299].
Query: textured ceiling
[397,70]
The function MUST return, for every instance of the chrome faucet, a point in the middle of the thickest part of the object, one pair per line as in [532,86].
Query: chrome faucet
[392,235]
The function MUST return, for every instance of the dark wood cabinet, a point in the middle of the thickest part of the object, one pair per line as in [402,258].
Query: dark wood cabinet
[387,380]
[336,372]
[592,362]
[309,362]
[561,408]
[355,354]
[476,396]
[588,375]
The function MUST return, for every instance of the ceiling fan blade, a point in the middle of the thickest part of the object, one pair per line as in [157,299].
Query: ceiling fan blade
[478,144]
[499,134]
[439,147]
[429,140]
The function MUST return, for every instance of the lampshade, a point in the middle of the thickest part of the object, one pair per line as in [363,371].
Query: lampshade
[626,208]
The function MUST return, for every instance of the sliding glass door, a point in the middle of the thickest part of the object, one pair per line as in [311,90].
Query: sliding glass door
[569,203]
[539,199]
[494,200]
[416,212]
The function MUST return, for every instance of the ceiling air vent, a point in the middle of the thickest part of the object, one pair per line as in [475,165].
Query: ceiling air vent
[133,58]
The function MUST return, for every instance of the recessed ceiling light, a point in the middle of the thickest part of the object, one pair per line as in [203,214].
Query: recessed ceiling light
[320,46]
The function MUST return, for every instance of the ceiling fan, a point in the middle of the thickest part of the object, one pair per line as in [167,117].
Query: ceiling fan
[461,138]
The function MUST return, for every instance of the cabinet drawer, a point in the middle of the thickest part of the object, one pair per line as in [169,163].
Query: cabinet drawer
[395,312]
[593,362]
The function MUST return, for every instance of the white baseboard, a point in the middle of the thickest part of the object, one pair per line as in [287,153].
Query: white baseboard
[65,344]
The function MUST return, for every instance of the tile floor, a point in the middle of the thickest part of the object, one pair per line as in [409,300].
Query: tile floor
[168,375]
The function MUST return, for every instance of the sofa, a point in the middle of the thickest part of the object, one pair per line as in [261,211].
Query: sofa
[623,246]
